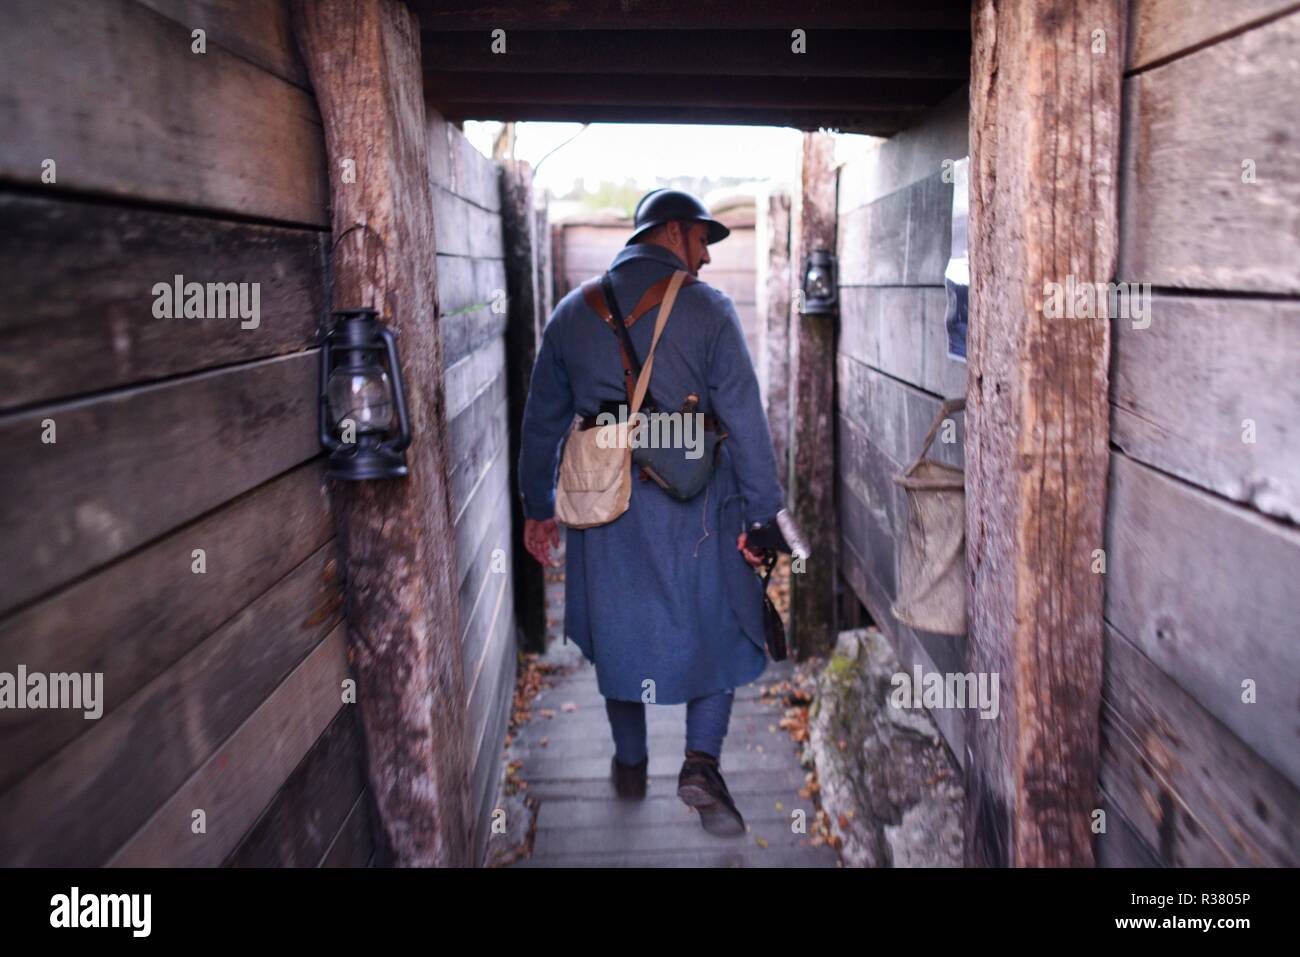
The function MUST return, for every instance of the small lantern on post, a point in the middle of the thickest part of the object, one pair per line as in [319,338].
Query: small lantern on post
[364,423]
[820,283]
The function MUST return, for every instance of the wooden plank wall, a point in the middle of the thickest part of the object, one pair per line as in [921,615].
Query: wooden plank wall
[222,690]
[1202,542]
[471,290]
[892,371]
[590,247]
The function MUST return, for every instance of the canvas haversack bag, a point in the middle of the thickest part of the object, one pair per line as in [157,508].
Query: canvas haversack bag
[932,560]
[595,482]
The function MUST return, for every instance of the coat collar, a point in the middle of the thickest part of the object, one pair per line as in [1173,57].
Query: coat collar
[647,251]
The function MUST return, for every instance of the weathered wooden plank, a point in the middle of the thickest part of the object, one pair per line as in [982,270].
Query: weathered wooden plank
[772,295]
[894,415]
[1193,791]
[478,435]
[559,268]
[242,777]
[437,148]
[301,822]
[900,331]
[1045,139]
[468,331]
[482,619]
[1164,28]
[352,846]
[869,473]
[498,699]
[257,30]
[1120,846]
[467,378]
[589,248]
[139,616]
[1208,392]
[465,229]
[719,855]
[90,797]
[738,285]
[78,312]
[237,139]
[474,570]
[137,463]
[467,15]
[473,175]
[403,620]
[1209,199]
[1203,589]
[901,239]
[497,627]
[909,156]
[712,52]
[586,85]
[489,707]
[872,537]
[464,282]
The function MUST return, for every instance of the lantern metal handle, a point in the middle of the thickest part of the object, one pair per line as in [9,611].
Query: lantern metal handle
[399,390]
[326,429]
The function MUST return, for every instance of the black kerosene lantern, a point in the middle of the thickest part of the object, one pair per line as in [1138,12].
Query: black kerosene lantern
[362,399]
[820,284]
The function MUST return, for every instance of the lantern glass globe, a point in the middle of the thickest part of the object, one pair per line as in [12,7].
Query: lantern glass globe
[818,283]
[364,397]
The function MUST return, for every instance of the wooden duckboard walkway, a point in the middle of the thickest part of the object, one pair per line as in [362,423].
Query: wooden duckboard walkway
[582,823]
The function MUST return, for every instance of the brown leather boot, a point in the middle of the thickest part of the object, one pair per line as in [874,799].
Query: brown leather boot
[701,786]
[629,780]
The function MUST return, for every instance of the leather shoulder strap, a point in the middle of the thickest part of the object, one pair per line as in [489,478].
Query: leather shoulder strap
[594,296]
[654,294]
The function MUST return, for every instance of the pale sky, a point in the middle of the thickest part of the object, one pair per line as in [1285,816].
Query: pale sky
[648,152]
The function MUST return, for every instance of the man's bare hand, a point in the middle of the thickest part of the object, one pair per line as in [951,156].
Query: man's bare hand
[540,538]
[754,558]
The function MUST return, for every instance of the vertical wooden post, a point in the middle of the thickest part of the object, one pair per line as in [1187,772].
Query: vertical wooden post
[363,59]
[518,222]
[1045,110]
[811,483]
[560,284]
[772,241]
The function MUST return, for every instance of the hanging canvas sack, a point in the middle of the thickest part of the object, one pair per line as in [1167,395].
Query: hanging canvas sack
[932,565]
[595,482]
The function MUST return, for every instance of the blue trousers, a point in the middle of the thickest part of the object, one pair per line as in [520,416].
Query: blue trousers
[707,718]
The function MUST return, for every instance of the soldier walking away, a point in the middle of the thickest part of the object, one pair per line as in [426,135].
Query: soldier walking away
[662,600]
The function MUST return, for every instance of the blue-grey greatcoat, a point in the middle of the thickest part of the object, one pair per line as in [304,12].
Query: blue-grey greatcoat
[662,592]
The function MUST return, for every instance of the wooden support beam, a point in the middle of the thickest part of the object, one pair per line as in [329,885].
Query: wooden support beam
[363,59]
[474,15]
[811,482]
[518,226]
[1045,124]
[689,89]
[773,280]
[915,54]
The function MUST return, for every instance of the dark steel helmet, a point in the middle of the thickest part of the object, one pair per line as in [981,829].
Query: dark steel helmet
[660,206]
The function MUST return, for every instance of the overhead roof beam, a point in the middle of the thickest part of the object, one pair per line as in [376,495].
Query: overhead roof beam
[908,54]
[688,91]
[691,14]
